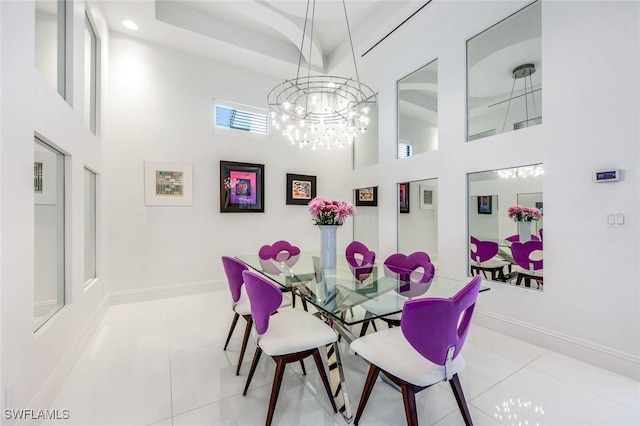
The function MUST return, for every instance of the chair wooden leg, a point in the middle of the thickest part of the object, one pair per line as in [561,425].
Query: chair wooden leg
[409,399]
[304,304]
[373,324]
[366,391]
[233,326]
[281,363]
[293,298]
[245,340]
[363,330]
[325,379]
[254,364]
[460,399]
[304,370]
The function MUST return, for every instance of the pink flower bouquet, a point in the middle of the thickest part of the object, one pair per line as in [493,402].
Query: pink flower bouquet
[330,212]
[523,214]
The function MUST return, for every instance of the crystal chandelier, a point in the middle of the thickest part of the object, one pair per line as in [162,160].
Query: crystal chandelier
[321,110]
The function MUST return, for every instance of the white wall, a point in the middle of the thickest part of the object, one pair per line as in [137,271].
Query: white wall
[590,122]
[160,109]
[35,363]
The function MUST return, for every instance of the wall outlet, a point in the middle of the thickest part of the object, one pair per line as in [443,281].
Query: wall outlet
[8,397]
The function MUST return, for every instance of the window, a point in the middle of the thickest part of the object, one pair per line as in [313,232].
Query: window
[90,235]
[241,118]
[91,49]
[49,241]
[51,42]
[405,149]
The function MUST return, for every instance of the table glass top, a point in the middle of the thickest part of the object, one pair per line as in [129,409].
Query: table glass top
[352,294]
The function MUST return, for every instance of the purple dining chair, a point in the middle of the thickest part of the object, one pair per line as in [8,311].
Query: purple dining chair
[423,351]
[360,259]
[528,257]
[516,238]
[287,336]
[284,252]
[483,259]
[233,268]
[414,273]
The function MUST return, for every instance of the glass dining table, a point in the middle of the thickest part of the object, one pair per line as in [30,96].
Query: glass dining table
[348,295]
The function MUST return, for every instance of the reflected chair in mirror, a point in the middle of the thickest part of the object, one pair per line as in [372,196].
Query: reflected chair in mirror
[484,259]
[233,268]
[423,351]
[529,264]
[516,238]
[276,258]
[287,336]
[361,260]
[414,273]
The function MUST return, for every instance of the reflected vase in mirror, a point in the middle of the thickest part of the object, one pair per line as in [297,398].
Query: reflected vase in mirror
[524,231]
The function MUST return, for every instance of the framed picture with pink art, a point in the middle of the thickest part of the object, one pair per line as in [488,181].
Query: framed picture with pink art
[403,197]
[241,187]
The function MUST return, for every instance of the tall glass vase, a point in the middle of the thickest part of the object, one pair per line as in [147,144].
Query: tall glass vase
[524,231]
[328,245]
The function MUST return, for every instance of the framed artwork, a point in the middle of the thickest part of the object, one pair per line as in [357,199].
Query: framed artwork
[167,184]
[403,197]
[300,189]
[241,187]
[367,196]
[484,204]
[426,197]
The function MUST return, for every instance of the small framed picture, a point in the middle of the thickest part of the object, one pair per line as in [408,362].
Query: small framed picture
[485,204]
[300,189]
[367,196]
[241,187]
[403,197]
[426,197]
[167,184]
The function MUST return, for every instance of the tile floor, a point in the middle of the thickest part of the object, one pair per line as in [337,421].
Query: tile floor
[161,363]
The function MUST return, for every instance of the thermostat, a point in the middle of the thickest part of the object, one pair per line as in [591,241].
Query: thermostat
[606,175]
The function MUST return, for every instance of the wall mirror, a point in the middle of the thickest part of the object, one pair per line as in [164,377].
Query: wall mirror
[418,222]
[50,42]
[418,111]
[504,75]
[49,243]
[500,204]
[365,222]
[365,148]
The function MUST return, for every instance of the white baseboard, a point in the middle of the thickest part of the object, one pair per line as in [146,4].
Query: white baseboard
[49,389]
[144,294]
[610,359]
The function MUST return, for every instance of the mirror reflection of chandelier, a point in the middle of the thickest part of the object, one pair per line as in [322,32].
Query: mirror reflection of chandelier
[321,110]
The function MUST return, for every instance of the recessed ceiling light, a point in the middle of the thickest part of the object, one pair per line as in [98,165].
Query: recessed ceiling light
[130,24]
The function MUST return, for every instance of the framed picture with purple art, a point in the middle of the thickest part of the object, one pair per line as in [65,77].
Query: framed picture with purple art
[403,197]
[241,187]
[485,204]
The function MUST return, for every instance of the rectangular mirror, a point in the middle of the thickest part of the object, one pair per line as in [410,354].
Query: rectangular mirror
[49,242]
[418,111]
[504,75]
[505,214]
